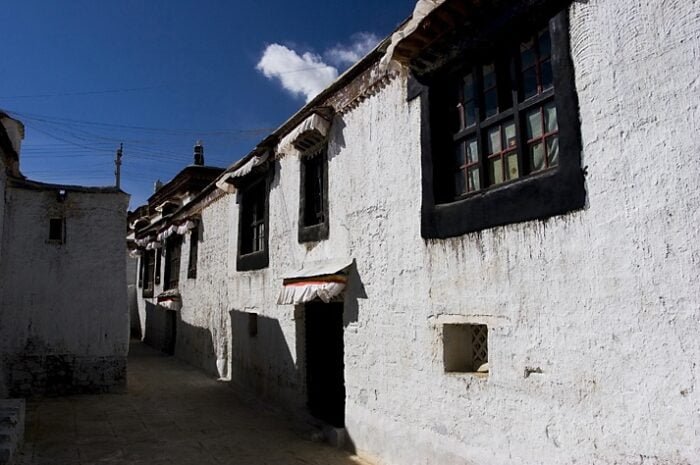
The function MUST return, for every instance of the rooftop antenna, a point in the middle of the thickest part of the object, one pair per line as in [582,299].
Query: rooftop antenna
[118,166]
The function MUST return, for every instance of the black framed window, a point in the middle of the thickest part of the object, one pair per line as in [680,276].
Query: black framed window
[171,274]
[505,123]
[57,230]
[313,199]
[159,259]
[149,265]
[194,252]
[504,138]
[253,224]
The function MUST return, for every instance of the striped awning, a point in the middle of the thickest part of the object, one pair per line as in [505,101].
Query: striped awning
[324,280]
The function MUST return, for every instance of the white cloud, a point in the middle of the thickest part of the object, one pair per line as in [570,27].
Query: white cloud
[302,75]
[362,43]
[308,74]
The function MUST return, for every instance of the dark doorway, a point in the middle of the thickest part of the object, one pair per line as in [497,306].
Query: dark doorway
[170,332]
[325,380]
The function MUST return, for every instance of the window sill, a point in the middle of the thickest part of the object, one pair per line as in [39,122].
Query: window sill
[468,374]
[314,233]
[253,261]
[536,197]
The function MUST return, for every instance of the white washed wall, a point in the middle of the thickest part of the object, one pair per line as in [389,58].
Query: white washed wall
[64,301]
[604,301]
[203,334]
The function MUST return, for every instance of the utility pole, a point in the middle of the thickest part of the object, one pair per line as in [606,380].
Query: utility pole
[118,165]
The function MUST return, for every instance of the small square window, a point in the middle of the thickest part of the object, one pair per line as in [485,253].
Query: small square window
[57,230]
[465,348]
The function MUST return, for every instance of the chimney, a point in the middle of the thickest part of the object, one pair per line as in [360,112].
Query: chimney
[199,153]
[157,185]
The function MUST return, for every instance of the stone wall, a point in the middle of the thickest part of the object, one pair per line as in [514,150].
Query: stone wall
[64,309]
[592,316]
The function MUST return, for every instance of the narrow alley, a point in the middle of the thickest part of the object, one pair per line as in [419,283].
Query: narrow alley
[171,414]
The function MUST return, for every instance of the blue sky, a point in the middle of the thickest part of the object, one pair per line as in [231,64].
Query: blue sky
[157,75]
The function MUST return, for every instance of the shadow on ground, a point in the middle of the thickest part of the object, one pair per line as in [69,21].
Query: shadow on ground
[171,414]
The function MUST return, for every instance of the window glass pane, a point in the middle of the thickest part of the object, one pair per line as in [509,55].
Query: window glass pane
[459,155]
[491,103]
[527,54]
[553,150]
[530,83]
[534,123]
[469,113]
[472,151]
[510,141]
[468,87]
[496,170]
[512,171]
[547,78]
[550,117]
[494,142]
[460,188]
[489,72]
[473,176]
[537,156]
[468,106]
[490,90]
[545,43]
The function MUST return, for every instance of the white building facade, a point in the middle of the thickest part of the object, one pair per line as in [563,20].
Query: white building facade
[470,248]
[63,308]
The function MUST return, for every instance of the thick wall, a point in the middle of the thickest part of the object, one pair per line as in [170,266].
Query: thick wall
[593,316]
[601,301]
[64,306]
[202,328]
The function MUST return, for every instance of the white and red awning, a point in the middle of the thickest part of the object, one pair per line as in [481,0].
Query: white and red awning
[324,280]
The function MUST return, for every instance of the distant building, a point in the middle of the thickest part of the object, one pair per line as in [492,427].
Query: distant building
[63,309]
[478,245]
[159,230]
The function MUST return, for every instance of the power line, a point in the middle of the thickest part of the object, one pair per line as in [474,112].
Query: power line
[89,92]
[57,120]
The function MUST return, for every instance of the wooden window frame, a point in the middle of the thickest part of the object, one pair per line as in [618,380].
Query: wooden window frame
[173,262]
[148,270]
[313,231]
[194,253]
[159,261]
[255,188]
[537,195]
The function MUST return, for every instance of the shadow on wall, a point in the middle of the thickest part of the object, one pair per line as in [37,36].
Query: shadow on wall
[195,345]
[261,358]
[161,328]
[134,322]
[354,291]
[166,331]
[262,362]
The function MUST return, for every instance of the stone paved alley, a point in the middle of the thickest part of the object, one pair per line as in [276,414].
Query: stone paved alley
[171,414]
